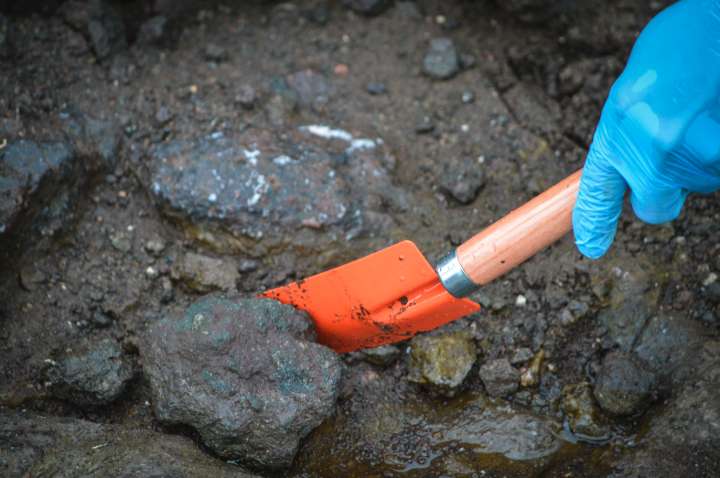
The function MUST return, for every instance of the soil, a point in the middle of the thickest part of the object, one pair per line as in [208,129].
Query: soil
[522,111]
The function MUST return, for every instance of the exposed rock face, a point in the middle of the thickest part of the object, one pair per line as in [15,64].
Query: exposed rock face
[499,377]
[95,378]
[253,191]
[64,447]
[440,364]
[624,383]
[246,374]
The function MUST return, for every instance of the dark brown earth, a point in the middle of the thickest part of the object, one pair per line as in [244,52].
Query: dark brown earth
[89,250]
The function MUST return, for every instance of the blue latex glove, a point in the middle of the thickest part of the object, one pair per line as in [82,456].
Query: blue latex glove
[659,132]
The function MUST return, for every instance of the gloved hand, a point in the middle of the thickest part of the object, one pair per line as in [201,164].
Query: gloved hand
[659,132]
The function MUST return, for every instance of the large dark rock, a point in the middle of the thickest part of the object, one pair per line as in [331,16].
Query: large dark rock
[99,23]
[246,374]
[68,448]
[251,192]
[97,377]
[625,384]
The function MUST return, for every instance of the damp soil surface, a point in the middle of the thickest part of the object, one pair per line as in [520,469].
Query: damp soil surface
[126,225]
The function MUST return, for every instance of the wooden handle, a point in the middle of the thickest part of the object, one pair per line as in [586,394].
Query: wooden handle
[521,234]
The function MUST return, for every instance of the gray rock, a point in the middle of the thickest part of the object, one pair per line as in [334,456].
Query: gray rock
[153,31]
[216,53]
[155,246]
[624,384]
[162,117]
[499,377]
[253,191]
[522,355]
[375,88]
[383,356]
[99,23]
[205,274]
[441,363]
[462,178]
[255,383]
[441,61]
[121,242]
[69,448]
[97,377]
[369,7]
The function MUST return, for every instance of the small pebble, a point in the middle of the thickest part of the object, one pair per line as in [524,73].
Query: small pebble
[375,88]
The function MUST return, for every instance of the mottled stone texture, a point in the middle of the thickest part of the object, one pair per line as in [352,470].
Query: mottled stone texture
[97,377]
[246,374]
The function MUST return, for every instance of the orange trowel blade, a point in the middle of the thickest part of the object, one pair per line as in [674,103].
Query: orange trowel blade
[382,298]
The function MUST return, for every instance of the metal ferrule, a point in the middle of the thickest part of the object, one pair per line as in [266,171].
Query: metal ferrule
[453,277]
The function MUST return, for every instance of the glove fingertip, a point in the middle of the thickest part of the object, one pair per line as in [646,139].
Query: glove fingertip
[658,206]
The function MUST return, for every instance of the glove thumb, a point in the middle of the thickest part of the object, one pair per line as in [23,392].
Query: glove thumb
[598,206]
